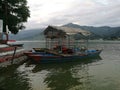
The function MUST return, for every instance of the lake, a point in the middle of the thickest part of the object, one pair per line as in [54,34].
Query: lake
[101,73]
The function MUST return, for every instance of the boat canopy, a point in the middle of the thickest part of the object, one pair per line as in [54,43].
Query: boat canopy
[61,31]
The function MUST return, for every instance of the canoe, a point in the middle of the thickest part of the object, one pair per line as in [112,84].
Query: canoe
[42,57]
[9,53]
[16,45]
[40,49]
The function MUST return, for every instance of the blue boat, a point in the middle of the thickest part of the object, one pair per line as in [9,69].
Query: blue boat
[60,48]
[42,57]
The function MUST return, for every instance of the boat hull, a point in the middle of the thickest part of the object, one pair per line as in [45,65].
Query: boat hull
[50,58]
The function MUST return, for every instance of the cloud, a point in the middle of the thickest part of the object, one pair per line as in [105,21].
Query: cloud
[83,12]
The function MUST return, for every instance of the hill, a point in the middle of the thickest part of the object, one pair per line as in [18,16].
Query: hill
[104,32]
[34,34]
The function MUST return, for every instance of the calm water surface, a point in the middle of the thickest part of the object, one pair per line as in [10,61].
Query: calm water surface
[101,73]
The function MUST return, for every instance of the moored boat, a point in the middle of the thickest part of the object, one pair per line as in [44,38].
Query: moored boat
[60,48]
[51,57]
[40,49]
[9,53]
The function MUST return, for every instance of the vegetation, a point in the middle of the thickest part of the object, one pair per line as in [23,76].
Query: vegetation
[14,13]
[103,32]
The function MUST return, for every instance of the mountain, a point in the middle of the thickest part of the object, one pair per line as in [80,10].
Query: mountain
[34,34]
[104,32]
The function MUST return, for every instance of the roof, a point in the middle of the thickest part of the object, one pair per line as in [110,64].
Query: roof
[61,31]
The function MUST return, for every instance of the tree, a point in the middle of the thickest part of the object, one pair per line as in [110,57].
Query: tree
[14,13]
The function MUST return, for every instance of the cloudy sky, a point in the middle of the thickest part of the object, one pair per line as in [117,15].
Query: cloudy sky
[82,12]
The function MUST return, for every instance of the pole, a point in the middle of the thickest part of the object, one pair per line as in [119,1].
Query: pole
[69,41]
[13,55]
[46,42]
[87,42]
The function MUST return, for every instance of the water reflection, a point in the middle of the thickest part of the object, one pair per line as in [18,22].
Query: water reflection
[10,79]
[66,76]
[57,76]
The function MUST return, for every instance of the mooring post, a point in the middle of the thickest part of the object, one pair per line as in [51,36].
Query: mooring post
[13,55]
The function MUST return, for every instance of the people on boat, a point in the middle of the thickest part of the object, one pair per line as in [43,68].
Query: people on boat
[83,48]
[63,49]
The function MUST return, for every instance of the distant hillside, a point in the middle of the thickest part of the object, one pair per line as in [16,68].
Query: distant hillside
[36,34]
[104,32]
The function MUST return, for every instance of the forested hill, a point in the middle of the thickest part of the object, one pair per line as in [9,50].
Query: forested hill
[33,34]
[103,32]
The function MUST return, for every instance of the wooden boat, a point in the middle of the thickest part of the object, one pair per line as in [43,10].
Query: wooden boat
[45,57]
[17,45]
[60,52]
[8,48]
[11,53]
[40,49]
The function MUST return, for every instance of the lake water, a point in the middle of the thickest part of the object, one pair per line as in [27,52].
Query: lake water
[102,73]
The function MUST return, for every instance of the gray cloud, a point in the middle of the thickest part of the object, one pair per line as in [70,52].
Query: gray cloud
[89,12]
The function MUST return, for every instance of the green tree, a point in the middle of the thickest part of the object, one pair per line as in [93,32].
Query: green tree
[14,14]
